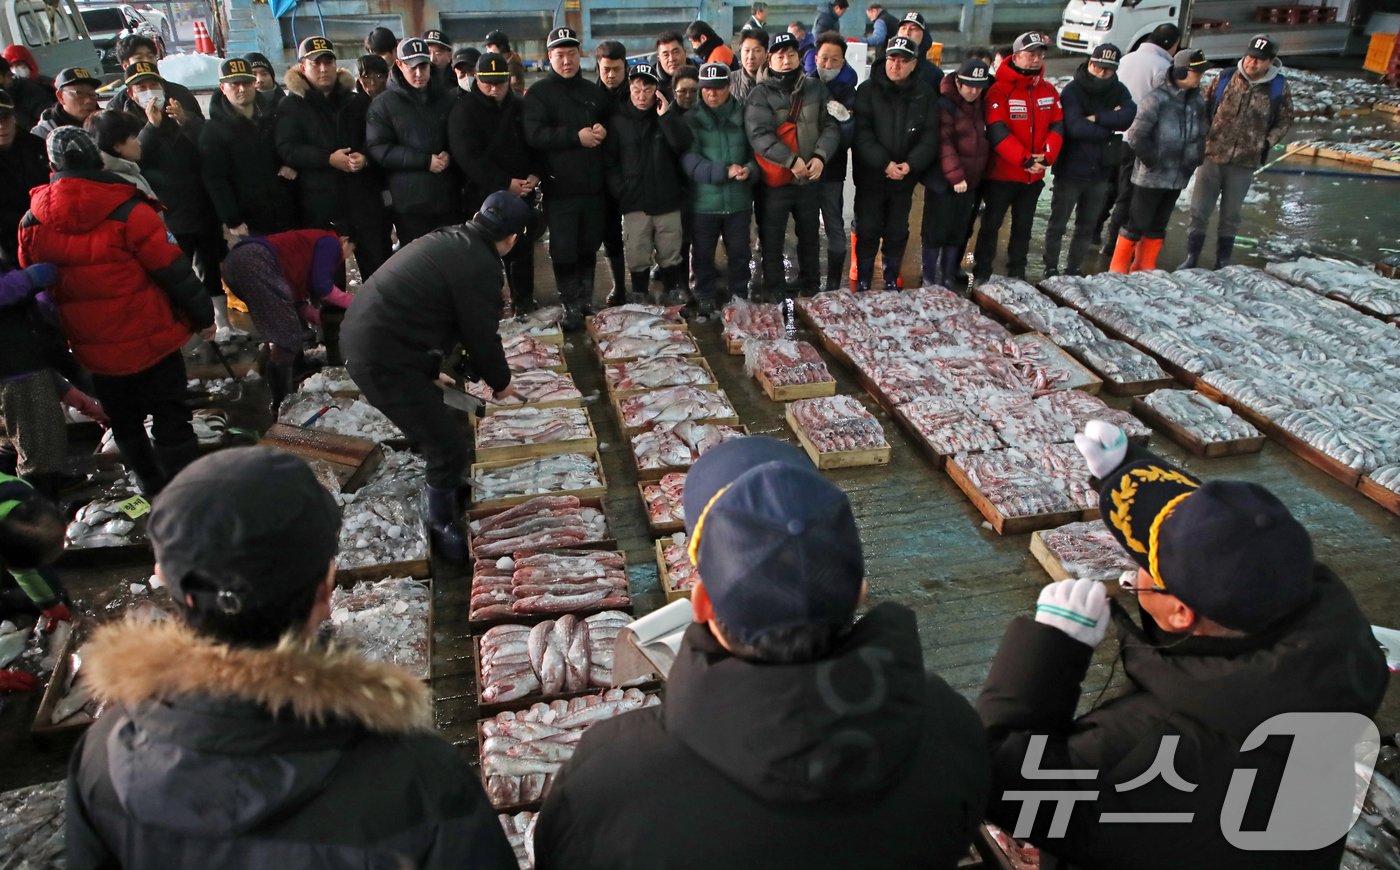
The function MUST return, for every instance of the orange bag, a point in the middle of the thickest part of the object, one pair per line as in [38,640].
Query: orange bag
[773,174]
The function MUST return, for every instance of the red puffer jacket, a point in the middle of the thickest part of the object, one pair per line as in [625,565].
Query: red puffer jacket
[1023,119]
[963,148]
[125,295]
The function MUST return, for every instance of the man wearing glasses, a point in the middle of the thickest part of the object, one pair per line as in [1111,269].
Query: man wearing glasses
[77,100]
[1238,625]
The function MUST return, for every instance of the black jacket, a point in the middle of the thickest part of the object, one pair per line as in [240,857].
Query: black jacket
[209,756]
[240,163]
[170,162]
[644,159]
[23,167]
[310,127]
[442,290]
[488,145]
[858,760]
[31,99]
[406,127]
[894,123]
[1211,692]
[1108,100]
[555,110]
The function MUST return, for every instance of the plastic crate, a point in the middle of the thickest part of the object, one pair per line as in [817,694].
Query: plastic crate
[1378,55]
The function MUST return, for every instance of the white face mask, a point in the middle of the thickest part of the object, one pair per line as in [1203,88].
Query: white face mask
[827,75]
[465,83]
[146,99]
[21,71]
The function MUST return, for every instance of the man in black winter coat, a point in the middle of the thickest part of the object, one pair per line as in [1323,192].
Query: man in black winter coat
[565,116]
[231,736]
[487,136]
[1239,625]
[407,137]
[792,734]
[249,184]
[1097,110]
[24,165]
[646,138]
[321,134]
[30,97]
[896,141]
[430,297]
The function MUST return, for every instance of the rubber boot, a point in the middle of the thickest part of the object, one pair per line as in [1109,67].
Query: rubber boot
[444,524]
[331,319]
[174,457]
[587,278]
[279,384]
[1123,255]
[931,267]
[949,258]
[890,272]
[835,272]
[865,272]
[618,296]
[139,456]
[1110,245]
[1147,252]
[1195,242]
[1224,248]
[673,279]
[641,286]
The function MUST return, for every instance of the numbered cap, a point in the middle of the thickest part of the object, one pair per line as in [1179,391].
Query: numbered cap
[313,47]
[1106,54]
[915,19]
[143,69]
[492,68]
[235,69]
[975,73]
[1263,47]
[643,71]
[1031,40]
[714,75]
[781,41]
[75,75]
[436,37]
[412,52]
[562,37]
[902,45]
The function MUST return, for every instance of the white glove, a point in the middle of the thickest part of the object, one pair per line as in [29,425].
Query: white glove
[837,111]
[1079,608]
[1103,446]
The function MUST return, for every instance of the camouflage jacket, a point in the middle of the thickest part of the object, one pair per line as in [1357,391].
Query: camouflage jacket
[1244,126]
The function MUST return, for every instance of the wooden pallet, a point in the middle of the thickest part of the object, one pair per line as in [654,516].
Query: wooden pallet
[663,574]
[839,458]
[1003,524]
[576,402]
[540,448]
[1386,498]
[1005,314]
[418,569]
[1187,439]
[511,501]
[1047,559]
[793,392]
[1123,388]
[657,529]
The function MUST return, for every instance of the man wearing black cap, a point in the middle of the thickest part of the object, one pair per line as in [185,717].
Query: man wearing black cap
[1025,127]
[1251,110]
[1239,624]
[793,734]
[76,88]
[431,297]
[231,736]
[250,186]
[267,77]
[913,28]
[23,167]
[646,138]
[791,162]
[486,133]
[896,141]
[439,49]
[1098,110]
[610,57]
[321,134]
[498,42]
[565,118]
[406,133]
[464,61]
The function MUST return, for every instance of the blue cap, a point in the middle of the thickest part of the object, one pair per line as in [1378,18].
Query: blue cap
[775,543]
[503,214]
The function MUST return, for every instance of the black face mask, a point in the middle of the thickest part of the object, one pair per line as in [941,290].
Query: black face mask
[788,79]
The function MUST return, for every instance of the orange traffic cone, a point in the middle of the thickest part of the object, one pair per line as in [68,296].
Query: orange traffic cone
[203,44]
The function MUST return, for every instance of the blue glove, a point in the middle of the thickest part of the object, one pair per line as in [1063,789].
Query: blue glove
[42,274]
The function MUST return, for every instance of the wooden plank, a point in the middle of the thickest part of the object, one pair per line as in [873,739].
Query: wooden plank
[541,448]
[1123,388]
[586,492]
[938,459]
[312,444]
[43,727]
[418,569]
[793,392]
[1188,439]
[1386,498]
[664,574]
[837,458]
[657,528]
[1047,559]
[1003,524]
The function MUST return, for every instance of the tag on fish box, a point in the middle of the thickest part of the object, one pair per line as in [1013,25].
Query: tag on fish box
[134,507]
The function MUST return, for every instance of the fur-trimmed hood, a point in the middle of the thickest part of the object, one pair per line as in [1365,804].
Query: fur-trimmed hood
[296,82]
[135,662]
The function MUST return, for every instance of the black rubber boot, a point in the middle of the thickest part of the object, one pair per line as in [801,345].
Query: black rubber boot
[587,279]
[1224,249]
[444,524]
[641,286]
[1195,243]
[836,272]
[673,279]
[331,318]
[618,296]
[865,272]
[949,258]
[932,266]
[890,272]
[174,457]
[139,456]
[279,384]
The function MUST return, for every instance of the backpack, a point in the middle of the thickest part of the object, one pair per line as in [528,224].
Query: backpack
[1275,94]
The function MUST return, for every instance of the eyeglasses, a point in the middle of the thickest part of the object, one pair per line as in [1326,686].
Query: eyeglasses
[1127,584]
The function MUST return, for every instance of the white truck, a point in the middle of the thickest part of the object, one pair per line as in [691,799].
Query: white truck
[53,32]
[1126,23]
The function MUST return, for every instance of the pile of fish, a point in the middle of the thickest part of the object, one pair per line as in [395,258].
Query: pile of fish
[744,321]
[1042,368]
[1021,421]
[665,500]
[636,318]
[525,352]
[543,523]
[541,322]
[540,385]
[1387,476]
[1322,95]
[528,425]
[567,654]
[332,379]
[380,530]
[1373,843]
[837,423]
[563,581]
[949,424]
[652,373]
[680,573]
[102,523]
[786,363]
[566,472]
[522,750]
[520,831]
[1362,286]
[1208,422]
[1081,407]
[339,414]
[672,405]
[677,445]
[400,473]
[31,827]
[638,331]
[1119,362]
[387,621]
[1088,550]
[1046,479]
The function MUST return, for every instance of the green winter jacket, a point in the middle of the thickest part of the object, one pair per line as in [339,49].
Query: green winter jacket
[719,140]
